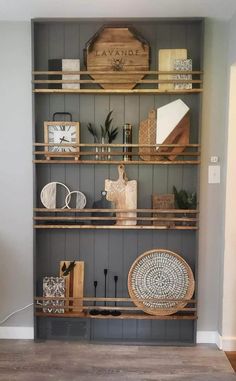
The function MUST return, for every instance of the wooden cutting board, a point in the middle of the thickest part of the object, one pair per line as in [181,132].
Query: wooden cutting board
[180,135]
[166,58]
[147,135]
[74,283]
[124,194]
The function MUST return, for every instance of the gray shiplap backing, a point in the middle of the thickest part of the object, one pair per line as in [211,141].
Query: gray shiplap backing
[115,250]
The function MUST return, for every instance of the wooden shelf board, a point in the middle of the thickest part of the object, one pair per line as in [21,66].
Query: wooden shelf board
[109,299]
[116,227]
[115,81]
[106,153]
[91,210]
[114,91]
[115,145]
[114,73]
[105,218]
[123,316]
[117,162]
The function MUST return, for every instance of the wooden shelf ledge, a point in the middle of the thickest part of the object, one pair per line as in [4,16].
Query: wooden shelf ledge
[86,153]
[127,312]
[91,210]
[124,316]
[115,73]
[116,91]
[117,78]
[117,162]
[115,227]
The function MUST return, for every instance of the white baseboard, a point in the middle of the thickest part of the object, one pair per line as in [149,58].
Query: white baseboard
[17,333]
[207,337]
[225,343]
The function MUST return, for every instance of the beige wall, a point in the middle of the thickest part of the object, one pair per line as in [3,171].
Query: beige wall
[229,288]
[16,247]
[211,236]
[229,284]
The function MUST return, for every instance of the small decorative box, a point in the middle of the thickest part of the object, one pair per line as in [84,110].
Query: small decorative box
[64,65]
[54,287]
[183,65]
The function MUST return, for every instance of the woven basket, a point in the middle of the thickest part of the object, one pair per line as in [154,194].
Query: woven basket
[160,274]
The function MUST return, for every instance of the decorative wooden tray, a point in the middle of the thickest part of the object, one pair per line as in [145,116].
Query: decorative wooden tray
[160,274]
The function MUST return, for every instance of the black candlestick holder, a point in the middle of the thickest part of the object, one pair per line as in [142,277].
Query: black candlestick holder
[105,312]
[94,311]
[115,312]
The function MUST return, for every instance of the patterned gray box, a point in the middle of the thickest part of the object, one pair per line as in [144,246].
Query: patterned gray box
[182,65]
[54,287]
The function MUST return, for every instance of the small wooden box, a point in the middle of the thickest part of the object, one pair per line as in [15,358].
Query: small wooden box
[163,201]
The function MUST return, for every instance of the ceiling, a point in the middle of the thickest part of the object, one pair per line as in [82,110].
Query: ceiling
[27,9]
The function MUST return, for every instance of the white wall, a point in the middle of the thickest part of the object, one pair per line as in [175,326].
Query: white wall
[16,247]
[27,9]
[16,174]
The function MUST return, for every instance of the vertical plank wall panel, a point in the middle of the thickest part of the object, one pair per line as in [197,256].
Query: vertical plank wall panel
[101,238]
[116,241]
[160,173]
[131,112]
[56,48]
[72,105]
[115,250]
[131,115]
[41,41]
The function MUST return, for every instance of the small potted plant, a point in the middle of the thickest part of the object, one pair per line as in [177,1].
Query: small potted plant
[107,135]
[185,200]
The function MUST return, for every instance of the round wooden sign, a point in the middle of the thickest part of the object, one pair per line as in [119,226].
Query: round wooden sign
[118,50]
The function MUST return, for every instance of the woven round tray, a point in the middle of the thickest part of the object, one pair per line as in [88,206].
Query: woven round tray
[160,274]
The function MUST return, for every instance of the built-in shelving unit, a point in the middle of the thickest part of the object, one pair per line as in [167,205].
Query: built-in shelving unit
[76,234]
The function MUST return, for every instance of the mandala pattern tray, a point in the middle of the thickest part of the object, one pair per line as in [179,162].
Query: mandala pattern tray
[160,274]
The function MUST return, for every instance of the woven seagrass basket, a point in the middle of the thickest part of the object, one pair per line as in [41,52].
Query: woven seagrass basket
[158,275]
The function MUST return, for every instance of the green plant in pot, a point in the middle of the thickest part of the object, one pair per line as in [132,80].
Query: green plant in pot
[107,135]
[185,200]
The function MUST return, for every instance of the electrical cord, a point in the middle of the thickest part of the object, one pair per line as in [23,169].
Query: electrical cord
[15,312]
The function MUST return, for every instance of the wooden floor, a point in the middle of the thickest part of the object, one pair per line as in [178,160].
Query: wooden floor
[28,361]
[232,358]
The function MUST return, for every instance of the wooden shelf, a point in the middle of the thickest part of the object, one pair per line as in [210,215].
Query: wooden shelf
[114,91]
[147,219]
[118,78]
[130,312]
[115,227]
[125,316]
[117,162]
[113,154]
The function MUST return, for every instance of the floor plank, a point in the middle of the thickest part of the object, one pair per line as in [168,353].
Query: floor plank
[22,360]
[232,358]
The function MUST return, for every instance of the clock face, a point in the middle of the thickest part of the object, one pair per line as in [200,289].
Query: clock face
[62,134]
